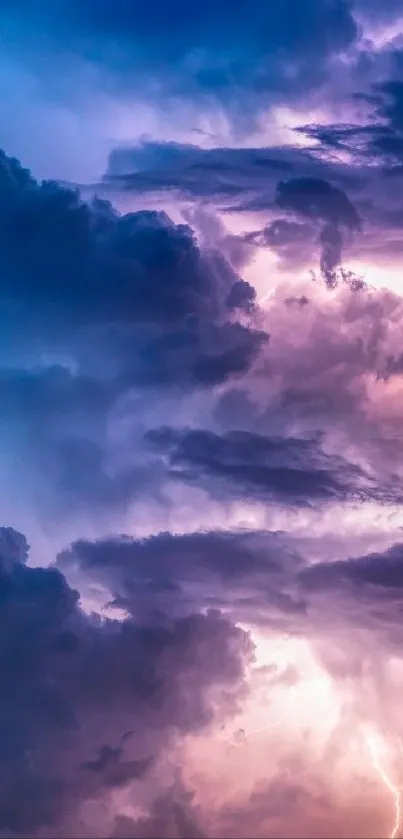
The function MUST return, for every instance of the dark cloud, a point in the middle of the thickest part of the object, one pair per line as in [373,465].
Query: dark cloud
[110,269]
[94,306]
[260,577]
[247,180]
[356,161]
[195,355]
[263,579]
[168,574]
[79,272]
[241,296]
[14,548]
[239,53]
[366,593]
[319,201]
[114,324]
[286,470]
[383,572]
[74,684]
[241,178]
[378,138]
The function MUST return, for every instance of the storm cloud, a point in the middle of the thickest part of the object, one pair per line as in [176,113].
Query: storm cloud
[201,391]
[74,685]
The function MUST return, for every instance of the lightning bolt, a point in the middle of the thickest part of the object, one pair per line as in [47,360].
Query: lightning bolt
[388,784]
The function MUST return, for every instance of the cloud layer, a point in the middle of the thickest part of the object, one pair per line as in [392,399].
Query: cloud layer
[200,420]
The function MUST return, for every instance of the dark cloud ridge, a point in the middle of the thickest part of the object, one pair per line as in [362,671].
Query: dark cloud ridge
[259,577]
[288,470]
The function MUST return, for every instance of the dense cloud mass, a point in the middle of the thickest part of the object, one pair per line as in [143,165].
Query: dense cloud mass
[259,573]
[88,704]
[96,305]
[59,256]
[211,50]
[294,470]
[201,447]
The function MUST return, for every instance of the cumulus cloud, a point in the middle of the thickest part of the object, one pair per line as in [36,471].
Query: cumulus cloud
[97,305]
[116,363]
[160,278]
[89,705]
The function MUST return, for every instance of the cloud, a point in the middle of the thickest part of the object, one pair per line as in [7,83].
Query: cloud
[234,467]
[197,53]
[338,389]
[97,306]
[239,178]
[366,596]
[75,684]
[100,701]
[170,574]
[378,138]
[261,578]
[360,158]
[318,213]
[288,470]
[317,200]
[292,241]
[381,572]
[47,231]
[173,815]
[113,271]
[265,580]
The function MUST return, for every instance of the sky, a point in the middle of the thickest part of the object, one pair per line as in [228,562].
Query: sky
[201,399]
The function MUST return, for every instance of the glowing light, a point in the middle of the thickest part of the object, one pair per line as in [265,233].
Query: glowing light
[380,276]
[240,736]
[387,782]
[285,670]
